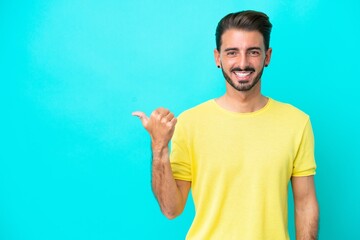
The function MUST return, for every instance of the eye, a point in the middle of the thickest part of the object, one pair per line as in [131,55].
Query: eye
[231,53]
[254,53]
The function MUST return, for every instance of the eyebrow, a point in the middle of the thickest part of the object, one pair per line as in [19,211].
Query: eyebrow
[237,49]
[231,49]
[254,48]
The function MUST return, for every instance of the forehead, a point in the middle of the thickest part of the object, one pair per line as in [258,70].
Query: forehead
[242,39]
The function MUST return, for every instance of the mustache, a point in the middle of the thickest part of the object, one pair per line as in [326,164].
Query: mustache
[246,69]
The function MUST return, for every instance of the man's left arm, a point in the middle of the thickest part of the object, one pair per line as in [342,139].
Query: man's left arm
[306,208]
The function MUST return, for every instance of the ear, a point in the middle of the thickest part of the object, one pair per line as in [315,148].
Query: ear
[268,56]
[217,57]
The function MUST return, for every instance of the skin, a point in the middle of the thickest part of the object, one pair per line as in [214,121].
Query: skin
[242,58]
[171,194]
[306,208]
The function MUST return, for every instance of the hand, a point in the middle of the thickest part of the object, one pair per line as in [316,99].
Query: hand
[160,125]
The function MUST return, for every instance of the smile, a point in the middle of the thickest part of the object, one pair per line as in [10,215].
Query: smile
[242,75]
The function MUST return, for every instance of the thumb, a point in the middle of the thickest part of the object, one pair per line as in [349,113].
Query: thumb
[144,119]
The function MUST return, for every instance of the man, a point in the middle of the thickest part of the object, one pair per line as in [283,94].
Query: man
[237,152]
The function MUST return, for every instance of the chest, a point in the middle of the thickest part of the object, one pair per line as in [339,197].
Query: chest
[244,148]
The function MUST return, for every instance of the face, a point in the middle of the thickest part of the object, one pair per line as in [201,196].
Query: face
[242,58]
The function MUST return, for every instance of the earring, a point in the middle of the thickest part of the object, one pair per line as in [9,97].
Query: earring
[218,66]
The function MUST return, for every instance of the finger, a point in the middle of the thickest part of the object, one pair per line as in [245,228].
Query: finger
[162,111]
[139,114]
[169,117]
[172,123]
[144,119]
[166,118]
[155,115]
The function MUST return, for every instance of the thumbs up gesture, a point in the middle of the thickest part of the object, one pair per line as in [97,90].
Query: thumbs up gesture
[160,125]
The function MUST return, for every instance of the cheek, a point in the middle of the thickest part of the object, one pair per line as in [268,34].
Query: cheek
[259,63]
[228,62]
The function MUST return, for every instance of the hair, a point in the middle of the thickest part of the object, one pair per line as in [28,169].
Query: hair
[246,20]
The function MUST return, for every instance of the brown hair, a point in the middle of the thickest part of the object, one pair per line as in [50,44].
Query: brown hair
[247,20]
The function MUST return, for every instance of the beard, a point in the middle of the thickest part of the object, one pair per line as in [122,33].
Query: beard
[243,87]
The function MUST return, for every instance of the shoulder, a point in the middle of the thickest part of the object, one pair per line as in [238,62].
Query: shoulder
[289,116]
[288,110]
[194,117]
[198,111]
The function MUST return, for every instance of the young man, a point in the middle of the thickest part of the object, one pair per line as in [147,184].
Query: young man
[237,152]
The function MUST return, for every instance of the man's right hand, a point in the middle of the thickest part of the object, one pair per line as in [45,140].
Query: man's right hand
[160,125]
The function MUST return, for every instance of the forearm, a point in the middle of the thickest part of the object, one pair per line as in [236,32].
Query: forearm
[164,185]
[307,221]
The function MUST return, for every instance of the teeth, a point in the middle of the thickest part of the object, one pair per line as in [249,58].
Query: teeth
[242,74]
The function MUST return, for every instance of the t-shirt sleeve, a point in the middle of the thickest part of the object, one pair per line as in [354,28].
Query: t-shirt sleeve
[180,153]
[304,162]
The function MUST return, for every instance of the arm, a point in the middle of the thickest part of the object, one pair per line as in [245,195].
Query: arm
[306,208]
[171,194]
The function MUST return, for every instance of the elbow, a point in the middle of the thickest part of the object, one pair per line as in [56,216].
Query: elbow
[309,208]
[170,214]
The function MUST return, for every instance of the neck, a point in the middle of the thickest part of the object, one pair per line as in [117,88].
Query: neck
[242,101]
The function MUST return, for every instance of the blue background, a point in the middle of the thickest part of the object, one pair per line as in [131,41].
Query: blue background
[74,163]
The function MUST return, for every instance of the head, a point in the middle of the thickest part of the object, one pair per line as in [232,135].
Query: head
[242,48]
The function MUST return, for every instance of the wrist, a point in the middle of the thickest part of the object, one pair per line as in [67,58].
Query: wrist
[159,151]
[159,146]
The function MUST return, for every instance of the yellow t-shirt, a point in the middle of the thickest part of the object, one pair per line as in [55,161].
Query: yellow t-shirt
[239,165]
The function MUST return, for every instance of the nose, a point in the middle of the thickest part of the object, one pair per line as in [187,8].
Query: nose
[243,60]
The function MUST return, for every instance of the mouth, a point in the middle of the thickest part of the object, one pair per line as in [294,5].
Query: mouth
[242,75]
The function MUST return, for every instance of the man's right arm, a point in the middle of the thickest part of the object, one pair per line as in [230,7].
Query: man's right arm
[171,194]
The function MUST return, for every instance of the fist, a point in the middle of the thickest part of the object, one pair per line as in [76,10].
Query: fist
[160,125]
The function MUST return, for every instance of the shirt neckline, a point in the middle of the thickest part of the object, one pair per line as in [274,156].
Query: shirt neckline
[247,114]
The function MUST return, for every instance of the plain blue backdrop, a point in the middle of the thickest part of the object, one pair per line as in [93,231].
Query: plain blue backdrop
[74,163]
